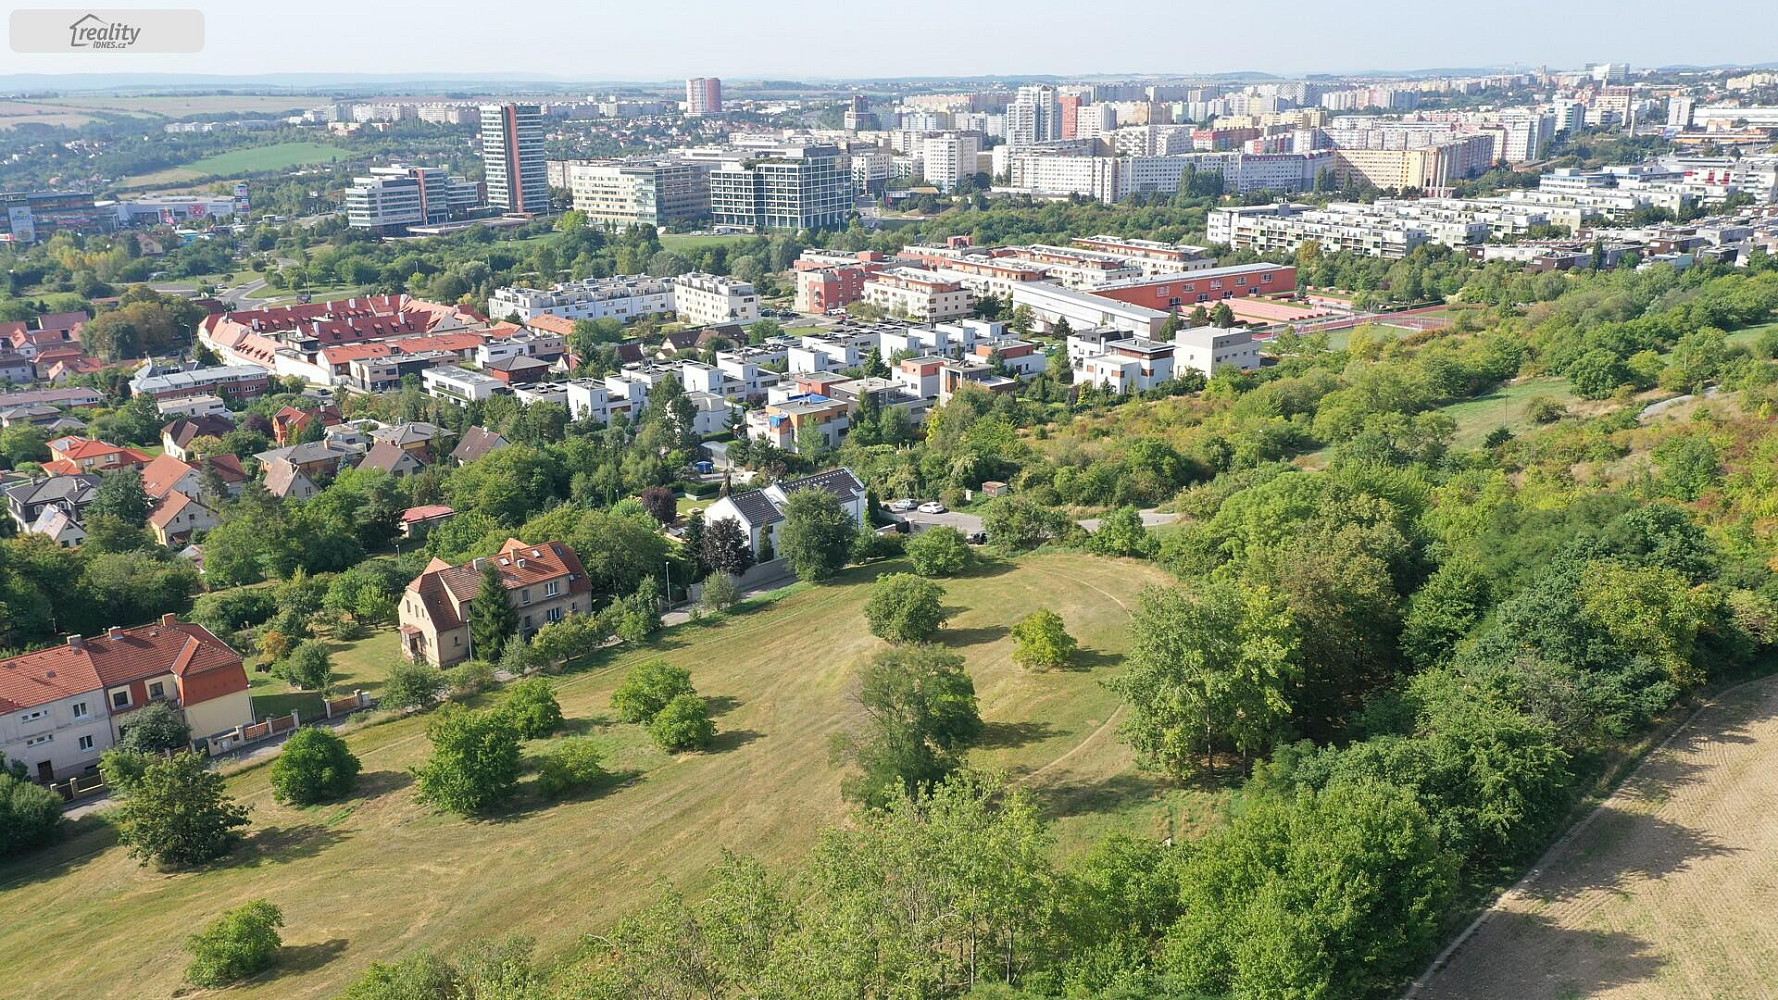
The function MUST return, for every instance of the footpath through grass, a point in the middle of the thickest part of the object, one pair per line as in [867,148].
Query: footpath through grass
[381,875]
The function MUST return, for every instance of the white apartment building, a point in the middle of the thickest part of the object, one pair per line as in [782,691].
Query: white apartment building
[918,295]
[712,300]
[396,196]
[1282,228]
[626,297]
[461,386]
[593,399]
[1208,348]
[949,158]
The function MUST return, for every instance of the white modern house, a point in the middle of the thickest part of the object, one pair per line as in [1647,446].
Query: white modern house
[760,513]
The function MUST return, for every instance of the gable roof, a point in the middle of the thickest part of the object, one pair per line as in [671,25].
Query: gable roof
[206,667]
[840,482]
[25,683]
[756,507]
[443,588]
[282,477]
[169,509]
[477,443]
[387,456]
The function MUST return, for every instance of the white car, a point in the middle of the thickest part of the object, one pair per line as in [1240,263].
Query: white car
[932,507]
[904,504]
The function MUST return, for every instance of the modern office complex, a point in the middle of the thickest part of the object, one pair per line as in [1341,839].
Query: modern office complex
[787,187]
[395,197]
[618,193]
[513,158]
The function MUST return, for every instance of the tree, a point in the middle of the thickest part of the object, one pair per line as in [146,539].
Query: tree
[412,684]
[683,724]
[243,942]
[308,666]
[817,535]
[905,608]
[532,708]
[661,504]
[314,766]
[492,618]
[122,496]
[1042,641]
[1122,533]
[1019,522]
[940,551]
[1222,316]
[157,728]
[921,710]
[726,548]
[721,592]
[174,811]
[647,689]
[1596,374]
[1210,670]
[475,761]
[30,815]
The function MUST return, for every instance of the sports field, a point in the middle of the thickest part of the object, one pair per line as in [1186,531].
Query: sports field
[381,874]
[1666,892]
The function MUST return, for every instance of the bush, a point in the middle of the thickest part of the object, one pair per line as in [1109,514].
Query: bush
[872,546]
[905,608]
[314,766]
[470,678]
[520,659]
[412,684]
[683,724]
[241,943]
[647,689]
[561,641]
[474,765]
[575,765]
[157,728]
[308,666]
[532,708]
[1042,641]
[30,815]
[940,551]
[1544,410]
[721,592]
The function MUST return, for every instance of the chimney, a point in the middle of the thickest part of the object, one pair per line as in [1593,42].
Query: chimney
[169,619]
[76,642]
[114,633]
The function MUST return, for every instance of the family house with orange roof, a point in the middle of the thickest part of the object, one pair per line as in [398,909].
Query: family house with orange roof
[544,583]
[73,456]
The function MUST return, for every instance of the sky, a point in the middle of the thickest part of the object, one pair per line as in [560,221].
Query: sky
[807,39]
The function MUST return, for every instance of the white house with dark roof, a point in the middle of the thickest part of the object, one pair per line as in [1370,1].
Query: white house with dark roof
[761,512]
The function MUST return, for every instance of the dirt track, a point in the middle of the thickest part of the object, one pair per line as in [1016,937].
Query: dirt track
[1669,890]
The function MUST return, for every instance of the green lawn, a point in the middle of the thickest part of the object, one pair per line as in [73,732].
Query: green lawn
[381,875]
[1505,407]
[1747,335]
[240,162]
[1339,340]
[357,666]
[693,241]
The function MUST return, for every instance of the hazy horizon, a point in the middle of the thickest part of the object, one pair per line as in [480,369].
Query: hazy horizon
[804,40]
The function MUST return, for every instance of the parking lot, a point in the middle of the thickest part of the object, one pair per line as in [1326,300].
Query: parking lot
[969,524]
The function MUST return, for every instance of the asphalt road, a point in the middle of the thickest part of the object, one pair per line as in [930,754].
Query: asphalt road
[969,524]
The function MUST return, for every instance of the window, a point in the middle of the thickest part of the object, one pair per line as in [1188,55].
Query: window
[157,691]
[37,741]
[34,716]
[86,743]
[80,710]
[120,699]
[554,614]
[552,588]
[1265,277]
[525,596]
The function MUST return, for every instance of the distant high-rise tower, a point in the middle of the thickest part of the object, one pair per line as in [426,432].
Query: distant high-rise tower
[512,158]
[703,96]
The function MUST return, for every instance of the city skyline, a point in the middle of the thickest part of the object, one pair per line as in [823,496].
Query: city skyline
[1040,38]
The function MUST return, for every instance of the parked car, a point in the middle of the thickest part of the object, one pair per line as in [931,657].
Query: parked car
[932,507]
[904,504]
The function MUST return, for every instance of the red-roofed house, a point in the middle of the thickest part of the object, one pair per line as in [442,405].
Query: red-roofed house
[544,583]
[52,717]
[72,456]
[88,687]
